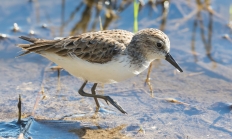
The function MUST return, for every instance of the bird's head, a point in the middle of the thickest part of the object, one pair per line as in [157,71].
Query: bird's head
[155,45]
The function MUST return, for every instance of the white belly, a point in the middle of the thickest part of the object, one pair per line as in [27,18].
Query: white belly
[110,72]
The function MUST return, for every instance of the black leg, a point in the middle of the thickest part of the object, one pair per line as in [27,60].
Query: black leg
[94,93]
[106,98]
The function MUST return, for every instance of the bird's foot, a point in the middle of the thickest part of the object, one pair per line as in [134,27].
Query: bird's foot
[115,104]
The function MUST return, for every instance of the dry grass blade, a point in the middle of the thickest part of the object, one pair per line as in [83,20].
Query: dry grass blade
[20,136]
[194,74]
[56,68]
[227,37]
[172,100]
[37,100]
[100,22]
[141,130]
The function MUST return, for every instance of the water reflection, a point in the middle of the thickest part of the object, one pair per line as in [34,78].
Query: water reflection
[92,11]
[199,22]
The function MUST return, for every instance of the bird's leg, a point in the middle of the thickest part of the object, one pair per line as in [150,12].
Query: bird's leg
[106,98]
[148,79]
[94,93]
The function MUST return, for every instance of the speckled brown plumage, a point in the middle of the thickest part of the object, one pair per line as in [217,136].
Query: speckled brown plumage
[96,47]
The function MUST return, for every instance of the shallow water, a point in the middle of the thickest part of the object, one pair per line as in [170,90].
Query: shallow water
[192,104]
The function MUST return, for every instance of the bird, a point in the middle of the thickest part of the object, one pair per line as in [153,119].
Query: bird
[107,56]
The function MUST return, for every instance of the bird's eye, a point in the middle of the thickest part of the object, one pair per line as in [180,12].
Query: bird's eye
[159,45]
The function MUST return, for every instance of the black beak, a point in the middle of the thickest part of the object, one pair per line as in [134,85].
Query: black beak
[173,62]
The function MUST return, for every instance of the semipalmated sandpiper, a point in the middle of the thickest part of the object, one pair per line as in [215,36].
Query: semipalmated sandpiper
[108,56]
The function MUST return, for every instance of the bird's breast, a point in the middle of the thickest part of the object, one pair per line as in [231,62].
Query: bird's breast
[116,70]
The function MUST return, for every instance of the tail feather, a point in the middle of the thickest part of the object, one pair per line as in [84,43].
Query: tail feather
[28,39]
[24,46]
[37,45]
[24,53]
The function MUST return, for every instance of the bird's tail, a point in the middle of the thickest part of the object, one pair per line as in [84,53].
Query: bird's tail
[37,45]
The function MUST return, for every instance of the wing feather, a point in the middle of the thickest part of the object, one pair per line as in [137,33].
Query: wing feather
[96,47]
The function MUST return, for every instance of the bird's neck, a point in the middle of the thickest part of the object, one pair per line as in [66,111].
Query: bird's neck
[138,56]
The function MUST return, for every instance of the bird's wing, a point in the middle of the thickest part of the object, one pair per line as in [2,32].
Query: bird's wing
[96,47]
